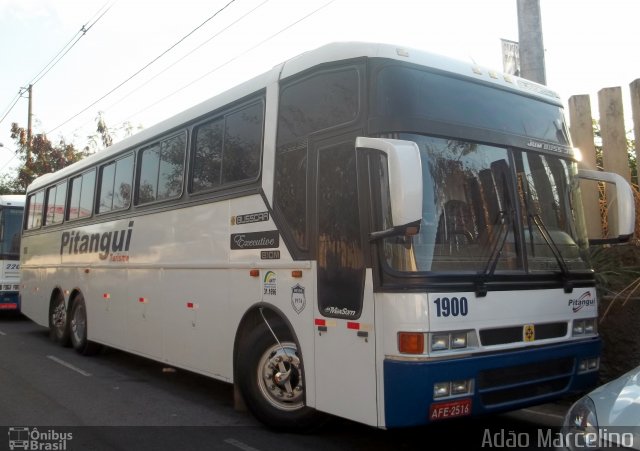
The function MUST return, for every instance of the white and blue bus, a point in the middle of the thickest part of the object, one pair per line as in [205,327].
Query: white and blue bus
[367,231]
[11,209]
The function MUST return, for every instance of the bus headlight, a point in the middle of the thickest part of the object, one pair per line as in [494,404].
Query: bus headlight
[441,389]
[452,389]
[460,387]
[458,340]
[439,342]
[584,327]
[450,340]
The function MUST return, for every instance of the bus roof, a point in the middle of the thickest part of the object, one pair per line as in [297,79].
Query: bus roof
[12,200]
[325,54]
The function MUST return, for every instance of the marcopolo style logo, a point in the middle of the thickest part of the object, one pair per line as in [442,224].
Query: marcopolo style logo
[114,243]
[255,240]
[585,300]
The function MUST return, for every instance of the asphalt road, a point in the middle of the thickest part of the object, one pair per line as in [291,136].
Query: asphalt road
[53,398]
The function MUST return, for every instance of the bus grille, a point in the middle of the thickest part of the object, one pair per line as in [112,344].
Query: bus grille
[514,334]
[503,385]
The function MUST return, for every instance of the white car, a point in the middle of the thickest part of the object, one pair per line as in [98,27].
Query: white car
[607,416]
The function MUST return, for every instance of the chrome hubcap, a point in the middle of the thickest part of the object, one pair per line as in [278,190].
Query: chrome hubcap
[280,377]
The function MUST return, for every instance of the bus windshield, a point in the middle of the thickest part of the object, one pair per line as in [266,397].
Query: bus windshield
[10,227]
[488,208]
[500,192]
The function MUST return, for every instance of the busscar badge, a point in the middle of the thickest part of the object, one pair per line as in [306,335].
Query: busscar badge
[298,300]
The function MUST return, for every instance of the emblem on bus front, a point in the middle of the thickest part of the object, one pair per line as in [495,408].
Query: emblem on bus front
[528,332]
[298,300]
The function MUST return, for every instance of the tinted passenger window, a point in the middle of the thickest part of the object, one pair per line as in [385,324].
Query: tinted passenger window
[291,192]
[242,144]
[81,199]
[50,205]
[162,170]
[208,156]
[115,185]
[35,204]
[55,203]
[316,103]
[228,149]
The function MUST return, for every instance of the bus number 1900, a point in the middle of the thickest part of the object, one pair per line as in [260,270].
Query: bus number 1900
[451,306]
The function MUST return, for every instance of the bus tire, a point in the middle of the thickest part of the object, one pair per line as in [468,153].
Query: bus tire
[271,380]
[78,328]
[58,323]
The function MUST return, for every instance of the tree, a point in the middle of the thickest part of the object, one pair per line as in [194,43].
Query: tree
[106,135]
[40,158]
[46,156]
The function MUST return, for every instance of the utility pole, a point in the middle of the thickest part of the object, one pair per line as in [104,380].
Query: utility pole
[530,37]
[29,125]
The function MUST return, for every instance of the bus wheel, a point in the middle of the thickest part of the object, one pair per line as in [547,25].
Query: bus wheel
[271,379]
[78,329]
[58,325]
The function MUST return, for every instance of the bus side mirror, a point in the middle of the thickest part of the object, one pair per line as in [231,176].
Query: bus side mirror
[624,201]
[405,183]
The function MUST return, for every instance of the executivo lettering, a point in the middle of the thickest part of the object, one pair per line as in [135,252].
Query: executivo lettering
[114,243]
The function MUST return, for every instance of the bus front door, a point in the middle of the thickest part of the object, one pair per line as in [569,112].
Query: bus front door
[345,374]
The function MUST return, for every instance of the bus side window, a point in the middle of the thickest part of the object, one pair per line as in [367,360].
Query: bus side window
[324,100]
[81,199]
[228,149]
[162,170]
[115,185]
[35,207]
[50,208]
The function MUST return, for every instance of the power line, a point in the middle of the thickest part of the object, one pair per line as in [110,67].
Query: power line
[72,42]
[177,61]
[12,104]
[229,61]
[143,68]
[61,54]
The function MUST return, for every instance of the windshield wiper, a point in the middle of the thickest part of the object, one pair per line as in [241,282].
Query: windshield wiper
[546,236]
[504,218]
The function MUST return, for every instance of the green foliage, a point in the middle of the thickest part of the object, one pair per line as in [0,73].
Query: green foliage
[9,185]
[41,156]
[106,135]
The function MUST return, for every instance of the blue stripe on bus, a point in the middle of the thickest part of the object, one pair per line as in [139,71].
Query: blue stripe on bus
[408,385]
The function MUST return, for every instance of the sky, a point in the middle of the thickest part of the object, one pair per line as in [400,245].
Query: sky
[589,45]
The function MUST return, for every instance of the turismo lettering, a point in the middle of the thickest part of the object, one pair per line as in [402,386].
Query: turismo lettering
[104,244]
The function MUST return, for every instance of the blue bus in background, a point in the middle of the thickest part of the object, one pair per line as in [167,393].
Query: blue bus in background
[11,210]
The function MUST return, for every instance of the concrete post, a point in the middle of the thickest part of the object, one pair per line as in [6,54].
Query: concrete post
[614,145]
[581,129]
[634,87]
[530,41]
